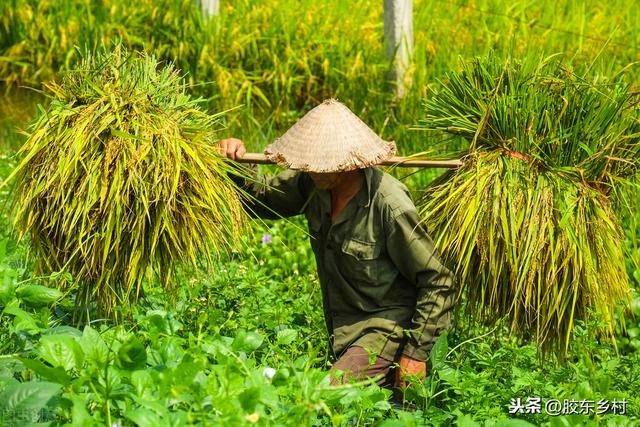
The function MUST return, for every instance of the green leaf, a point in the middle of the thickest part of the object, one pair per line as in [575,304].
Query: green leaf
[38,295]
[158,322]
[247,341]
[22,403]
[450,375]
[439,352]
[95,349]
[144,417]
[7,291]
[56,374]
[132,354]
[250,398]
[466,421]
[6,381]
[281,377]
[143,383]
[23,321]
[513,423]
[61,350]
[286,336]
[79,415]
[392,423]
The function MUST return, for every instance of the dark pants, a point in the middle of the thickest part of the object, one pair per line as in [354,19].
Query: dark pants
[356,366]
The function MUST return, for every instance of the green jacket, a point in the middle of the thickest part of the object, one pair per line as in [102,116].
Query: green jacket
[383,284]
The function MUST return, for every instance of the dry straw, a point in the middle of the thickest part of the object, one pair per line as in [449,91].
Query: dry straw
[329,138]
[119,178]
[529,220]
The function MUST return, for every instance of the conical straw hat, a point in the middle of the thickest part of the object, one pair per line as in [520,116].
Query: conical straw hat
[329,138]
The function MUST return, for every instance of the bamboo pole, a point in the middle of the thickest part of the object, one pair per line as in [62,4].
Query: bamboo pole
[405,162]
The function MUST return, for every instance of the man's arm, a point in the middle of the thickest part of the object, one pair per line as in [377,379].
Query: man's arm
[415,256]
[281,196]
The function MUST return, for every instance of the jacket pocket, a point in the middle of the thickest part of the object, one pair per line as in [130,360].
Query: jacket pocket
[360,260]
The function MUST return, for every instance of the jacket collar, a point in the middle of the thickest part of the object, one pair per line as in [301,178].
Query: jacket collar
[361,199]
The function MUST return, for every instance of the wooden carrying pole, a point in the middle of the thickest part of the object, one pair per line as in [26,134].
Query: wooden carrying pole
[405,162]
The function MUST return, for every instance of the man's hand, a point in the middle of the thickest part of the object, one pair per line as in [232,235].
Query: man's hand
[233,148]
[409,368]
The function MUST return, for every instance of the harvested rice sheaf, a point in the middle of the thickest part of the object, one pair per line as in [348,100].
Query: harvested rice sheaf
[119,178]
[529,221]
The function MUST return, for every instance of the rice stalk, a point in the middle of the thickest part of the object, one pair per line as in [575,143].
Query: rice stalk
[119,178]
[529,221]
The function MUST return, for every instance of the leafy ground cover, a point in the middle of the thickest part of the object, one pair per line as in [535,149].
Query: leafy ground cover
[246,346]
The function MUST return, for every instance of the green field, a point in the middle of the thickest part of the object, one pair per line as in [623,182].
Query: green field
[198,355]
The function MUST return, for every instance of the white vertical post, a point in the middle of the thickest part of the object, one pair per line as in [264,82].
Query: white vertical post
[398,35]
[210,8]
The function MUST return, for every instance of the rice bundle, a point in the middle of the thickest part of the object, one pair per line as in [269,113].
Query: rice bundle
[120,178]
[529,220]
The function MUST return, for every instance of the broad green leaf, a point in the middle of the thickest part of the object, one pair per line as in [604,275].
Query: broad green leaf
[281,377]
[143,383]
[61,350]
[513,423]
[250,398]
[144,417]
[466,421]
[37,295]
[56,374]
[21,403]
[132,354]
[158,322]
[286,336]
[23,321]
[79,415]
[7,291]
[247,341]
[6,381]
[94,347]
[449,375]
[438,355]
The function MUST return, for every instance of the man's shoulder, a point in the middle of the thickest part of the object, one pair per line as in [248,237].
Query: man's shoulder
[392,195]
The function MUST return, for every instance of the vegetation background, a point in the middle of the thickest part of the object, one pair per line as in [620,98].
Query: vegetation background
[200,356]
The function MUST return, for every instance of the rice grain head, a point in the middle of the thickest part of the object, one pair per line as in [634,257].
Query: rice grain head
[119,178]
[529,221]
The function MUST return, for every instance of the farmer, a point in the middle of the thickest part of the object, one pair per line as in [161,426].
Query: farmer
[385,293]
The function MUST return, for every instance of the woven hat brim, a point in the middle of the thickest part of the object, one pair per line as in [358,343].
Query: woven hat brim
[329,138]
[353,160]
